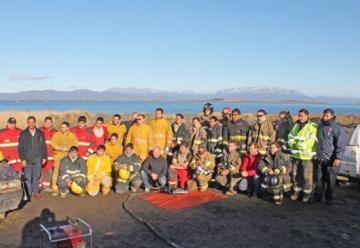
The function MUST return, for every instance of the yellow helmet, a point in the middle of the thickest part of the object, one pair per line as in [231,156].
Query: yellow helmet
[124,174]
[1,156]
[76,189]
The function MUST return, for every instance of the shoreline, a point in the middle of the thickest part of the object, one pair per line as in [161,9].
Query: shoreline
[71,116]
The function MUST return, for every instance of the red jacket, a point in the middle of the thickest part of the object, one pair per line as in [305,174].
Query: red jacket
[48,133]
[102,139]
[250,164]
[9,142]
[86,138]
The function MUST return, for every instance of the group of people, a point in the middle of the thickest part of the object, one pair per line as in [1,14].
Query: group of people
[266,158]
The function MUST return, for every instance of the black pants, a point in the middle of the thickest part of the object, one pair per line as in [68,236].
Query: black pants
[326,179]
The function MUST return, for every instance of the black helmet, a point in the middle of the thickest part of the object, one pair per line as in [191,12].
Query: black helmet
[208,106]
[272,180]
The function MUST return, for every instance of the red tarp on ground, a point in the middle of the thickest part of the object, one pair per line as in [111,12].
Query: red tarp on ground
[180,201]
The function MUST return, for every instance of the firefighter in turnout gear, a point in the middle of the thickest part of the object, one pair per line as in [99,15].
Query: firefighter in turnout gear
[113,150]
[283,126]
[208,110]
[127,171]
[162,133]
[61,143]
[275,169]
[48,131]
[302,143]
[226,116]
[179,168]
[99,172]
[141,136]
[181,133]
[215,139]
[72,171]
[9,142]
[198,135]
[117,127]
[228,172]
[262,132]
[237,129]
[86,138]
[202,166]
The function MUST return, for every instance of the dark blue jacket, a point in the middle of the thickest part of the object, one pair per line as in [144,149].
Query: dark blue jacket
[331,141]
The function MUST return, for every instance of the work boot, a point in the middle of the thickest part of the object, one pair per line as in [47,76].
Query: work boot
[191,185]
[55,191]
[278,202]
[294,196]
[230,193]
[306,198]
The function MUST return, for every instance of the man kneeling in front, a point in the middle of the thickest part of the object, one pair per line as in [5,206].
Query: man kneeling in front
[72,174]
[154,170]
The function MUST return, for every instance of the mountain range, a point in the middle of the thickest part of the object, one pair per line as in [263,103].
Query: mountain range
[240,94]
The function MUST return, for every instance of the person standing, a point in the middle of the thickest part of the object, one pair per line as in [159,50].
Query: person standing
[302,143]
[33,154]
[215,139]
[208,110]
[283,126]
[86,138]
[162,132]
[237,129]
[141,136]
[48,131]
[198,135]
[181,134]
[100,131]
[9,142]
[330,152]
[262,132]
[118,127]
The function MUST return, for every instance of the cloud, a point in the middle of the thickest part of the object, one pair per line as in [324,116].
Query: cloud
[26,77]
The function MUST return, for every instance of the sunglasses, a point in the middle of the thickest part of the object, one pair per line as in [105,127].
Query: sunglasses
[140,119]
[260,115]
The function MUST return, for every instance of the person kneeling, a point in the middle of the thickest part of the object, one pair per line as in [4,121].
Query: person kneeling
[154,170]
[72,174]
[99,172]
[127,168]
[250,171]
[178,170]
[275,171]
[228,172]
[202,166]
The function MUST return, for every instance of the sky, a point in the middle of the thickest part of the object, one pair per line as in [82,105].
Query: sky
[311,46]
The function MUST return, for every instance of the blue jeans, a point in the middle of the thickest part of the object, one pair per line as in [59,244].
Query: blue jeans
[146,180]
[32,173]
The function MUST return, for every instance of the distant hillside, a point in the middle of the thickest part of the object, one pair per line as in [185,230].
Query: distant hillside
[241,94]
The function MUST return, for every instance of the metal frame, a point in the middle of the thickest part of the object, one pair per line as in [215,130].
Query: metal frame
[43,228]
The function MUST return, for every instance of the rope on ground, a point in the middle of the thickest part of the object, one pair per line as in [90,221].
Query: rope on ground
[146,223]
